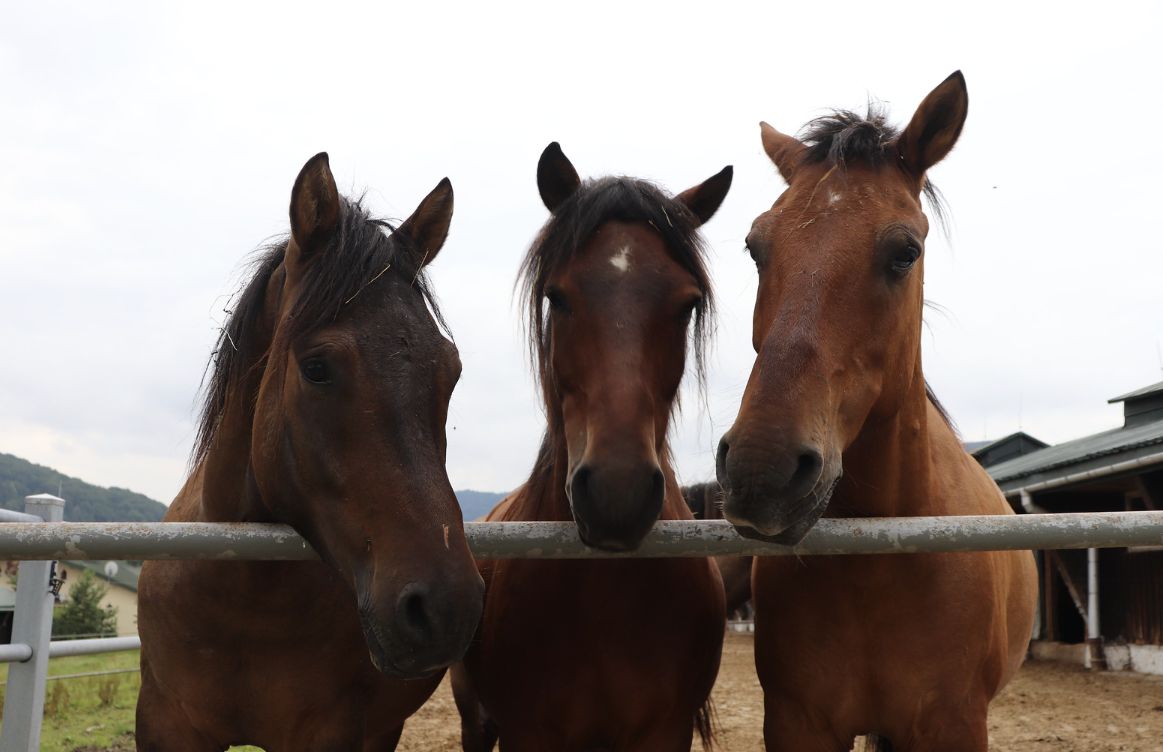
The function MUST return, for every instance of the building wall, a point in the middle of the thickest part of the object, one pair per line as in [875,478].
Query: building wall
[122,598]
[1146,659]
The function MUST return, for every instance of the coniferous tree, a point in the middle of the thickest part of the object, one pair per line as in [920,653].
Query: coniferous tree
[82,614]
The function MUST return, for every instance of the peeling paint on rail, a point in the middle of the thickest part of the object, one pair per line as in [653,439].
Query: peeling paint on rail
[559,540]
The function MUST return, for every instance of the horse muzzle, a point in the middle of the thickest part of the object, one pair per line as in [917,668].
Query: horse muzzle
[775,493]
[615,506]
[426,630]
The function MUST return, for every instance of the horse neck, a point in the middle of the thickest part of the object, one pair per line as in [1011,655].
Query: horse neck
[546,499]
[887,468]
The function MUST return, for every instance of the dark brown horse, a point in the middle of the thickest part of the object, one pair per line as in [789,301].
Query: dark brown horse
[605,654]
[325,410]
[706,503]
[836,419]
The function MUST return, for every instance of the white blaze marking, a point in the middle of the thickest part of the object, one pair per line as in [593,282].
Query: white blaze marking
[621,259]
[833,197]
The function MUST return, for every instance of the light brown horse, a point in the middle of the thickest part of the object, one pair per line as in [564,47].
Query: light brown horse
[836,419]
[580,656]
[325,410]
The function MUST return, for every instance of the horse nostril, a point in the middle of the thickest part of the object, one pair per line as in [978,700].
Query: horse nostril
[413,611]
[721,461]
[808,467]
[579,485]
[657,484]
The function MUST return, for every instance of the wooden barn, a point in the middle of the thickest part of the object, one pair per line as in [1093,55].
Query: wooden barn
[1102,607]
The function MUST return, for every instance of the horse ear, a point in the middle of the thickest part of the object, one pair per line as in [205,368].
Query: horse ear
[314,205]
[427,228]
[785,151]
[556,178]
[935,126]
[705,198]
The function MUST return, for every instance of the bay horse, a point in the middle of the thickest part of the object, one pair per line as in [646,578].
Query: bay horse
[325,410]
[837,419]
[705,501]
[614,654]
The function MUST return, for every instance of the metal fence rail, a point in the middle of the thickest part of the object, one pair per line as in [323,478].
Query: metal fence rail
[559,540]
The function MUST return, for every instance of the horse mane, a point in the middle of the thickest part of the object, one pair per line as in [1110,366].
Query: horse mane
[593,204]
[362,249]
[844,136]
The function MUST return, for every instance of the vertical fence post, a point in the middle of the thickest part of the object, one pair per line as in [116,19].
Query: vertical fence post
[1095,657]
[31,625]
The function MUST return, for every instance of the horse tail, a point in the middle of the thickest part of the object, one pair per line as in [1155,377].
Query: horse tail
[874,743]
[705,722]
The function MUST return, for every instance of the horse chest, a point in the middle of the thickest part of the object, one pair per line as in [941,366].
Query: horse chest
[264,601]
[864,628]
[598,643]
[261,654]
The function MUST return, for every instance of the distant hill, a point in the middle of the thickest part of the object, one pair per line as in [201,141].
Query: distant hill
[477,504]
[89,503]
[86,502]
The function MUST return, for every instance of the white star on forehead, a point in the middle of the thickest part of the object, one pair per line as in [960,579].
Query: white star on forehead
[621,259]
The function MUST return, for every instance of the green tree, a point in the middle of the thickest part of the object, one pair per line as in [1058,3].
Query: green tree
[82,615]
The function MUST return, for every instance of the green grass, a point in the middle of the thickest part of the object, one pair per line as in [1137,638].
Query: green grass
[93,713]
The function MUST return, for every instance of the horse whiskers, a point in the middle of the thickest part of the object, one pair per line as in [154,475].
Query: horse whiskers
[373,279]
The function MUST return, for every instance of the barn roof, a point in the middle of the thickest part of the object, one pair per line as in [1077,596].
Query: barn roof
[1140,436]
[997,451]
[1146,391]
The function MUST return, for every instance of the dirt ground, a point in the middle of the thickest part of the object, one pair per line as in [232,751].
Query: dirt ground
[1046,707]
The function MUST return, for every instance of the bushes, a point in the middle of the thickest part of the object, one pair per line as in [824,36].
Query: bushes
[82,615]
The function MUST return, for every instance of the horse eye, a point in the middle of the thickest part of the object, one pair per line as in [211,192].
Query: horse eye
[556,300]
[755,256]
[905,259]
[316,371]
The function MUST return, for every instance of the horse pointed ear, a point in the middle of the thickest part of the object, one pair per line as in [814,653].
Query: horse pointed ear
[935,126]
[705,198]
[784,150]
[427,228]
[556,178]
[314,205]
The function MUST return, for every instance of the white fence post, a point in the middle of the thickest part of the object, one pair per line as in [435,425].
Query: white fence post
[32,626]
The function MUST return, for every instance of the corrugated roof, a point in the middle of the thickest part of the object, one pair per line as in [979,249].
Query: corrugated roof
[1107,443]
[973,447]
[1153,389]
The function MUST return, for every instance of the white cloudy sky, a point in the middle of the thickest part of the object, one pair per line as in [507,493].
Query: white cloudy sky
[145,150]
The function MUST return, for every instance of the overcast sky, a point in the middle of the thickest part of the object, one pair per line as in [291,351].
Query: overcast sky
[145,151]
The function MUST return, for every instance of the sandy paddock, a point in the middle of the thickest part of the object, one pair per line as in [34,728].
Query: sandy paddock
[1047,707]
